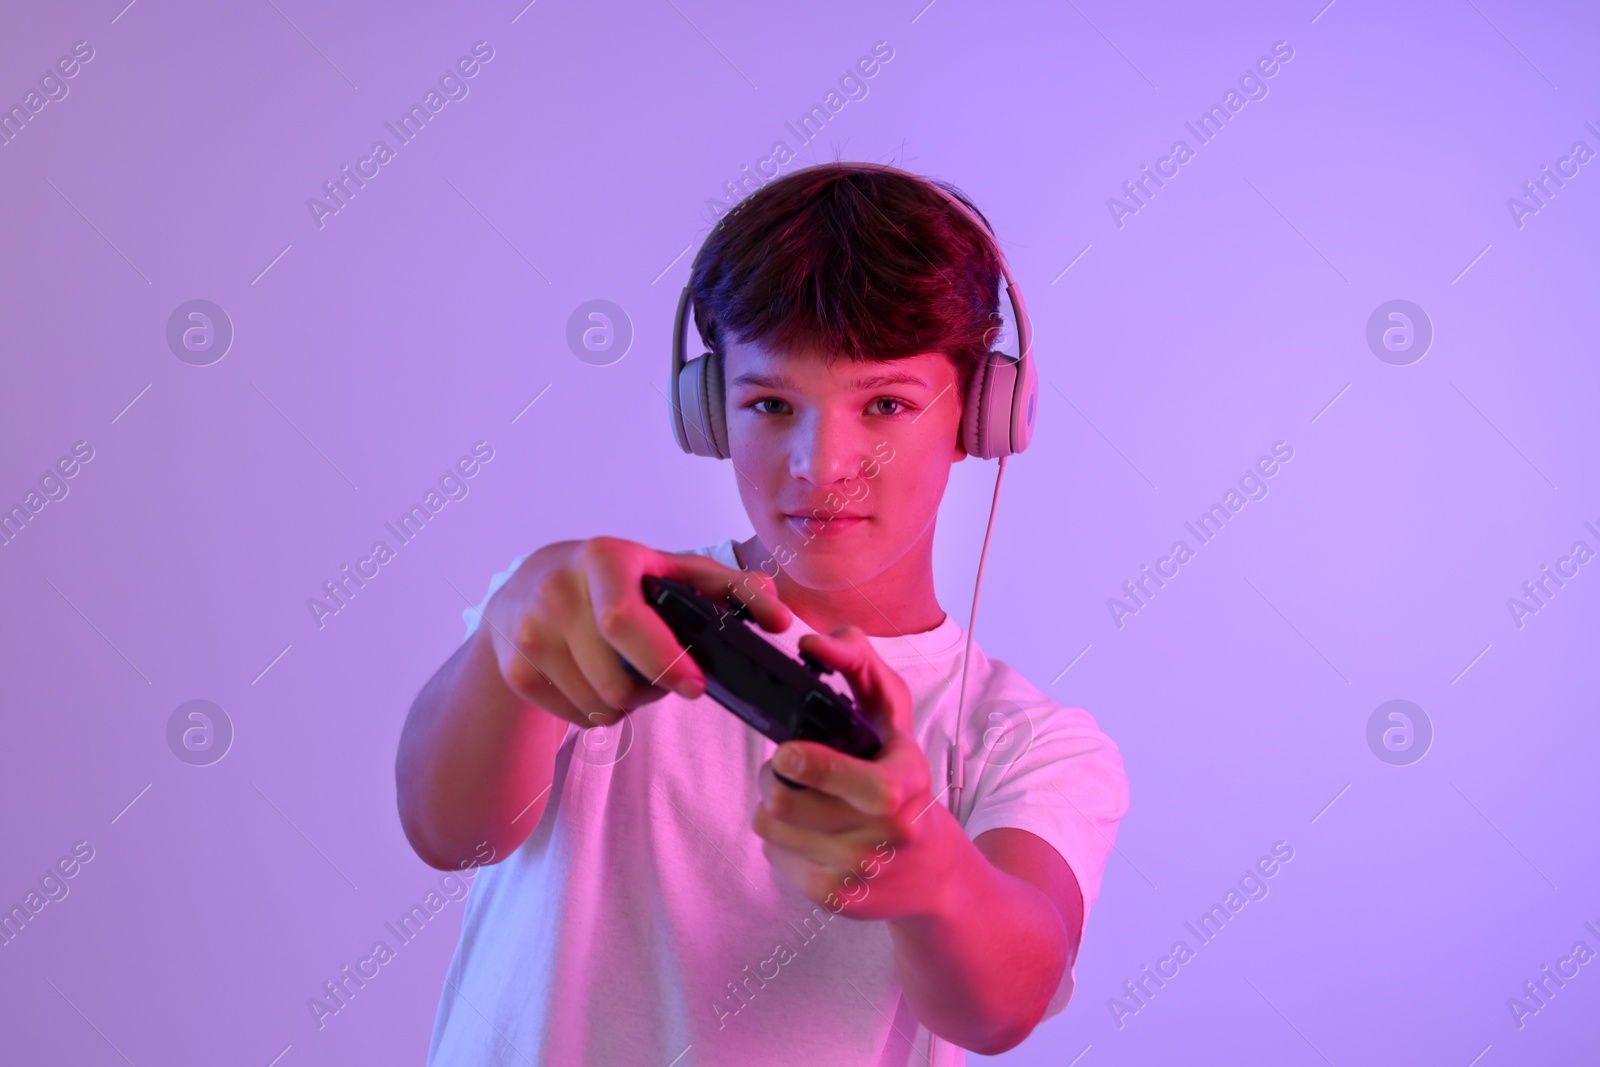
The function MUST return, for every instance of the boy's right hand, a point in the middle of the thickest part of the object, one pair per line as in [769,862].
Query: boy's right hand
[561,621]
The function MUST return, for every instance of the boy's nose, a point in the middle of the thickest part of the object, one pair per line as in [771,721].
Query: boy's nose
[825,453]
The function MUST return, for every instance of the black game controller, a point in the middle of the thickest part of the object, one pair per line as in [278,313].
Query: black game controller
[783,699]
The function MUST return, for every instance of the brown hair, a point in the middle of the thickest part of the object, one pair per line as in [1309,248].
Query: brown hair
[865,264]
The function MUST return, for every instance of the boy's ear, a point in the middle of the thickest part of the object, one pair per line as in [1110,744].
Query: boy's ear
[961,410]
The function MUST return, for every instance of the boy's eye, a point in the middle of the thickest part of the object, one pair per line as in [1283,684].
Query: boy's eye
[883,405]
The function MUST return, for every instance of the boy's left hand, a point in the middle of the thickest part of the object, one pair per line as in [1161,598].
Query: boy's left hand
[867,836]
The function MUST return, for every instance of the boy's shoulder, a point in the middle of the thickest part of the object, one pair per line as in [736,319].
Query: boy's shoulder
[1006,691]
[722,552]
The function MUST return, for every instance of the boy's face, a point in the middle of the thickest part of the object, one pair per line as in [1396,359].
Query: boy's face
[841,464]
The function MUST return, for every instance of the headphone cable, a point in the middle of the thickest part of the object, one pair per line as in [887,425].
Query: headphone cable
[956,764]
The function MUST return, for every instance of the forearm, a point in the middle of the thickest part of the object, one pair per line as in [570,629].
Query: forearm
[981,970]
[472,758]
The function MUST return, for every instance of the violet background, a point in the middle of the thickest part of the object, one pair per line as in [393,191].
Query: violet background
[426,315]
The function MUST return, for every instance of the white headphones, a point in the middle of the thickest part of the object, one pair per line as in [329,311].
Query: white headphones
[997,420]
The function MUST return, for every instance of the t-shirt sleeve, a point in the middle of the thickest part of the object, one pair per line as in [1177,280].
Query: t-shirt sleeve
[1066,786]
[473,616]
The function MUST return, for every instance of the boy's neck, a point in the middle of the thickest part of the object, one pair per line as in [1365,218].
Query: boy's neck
[899,600]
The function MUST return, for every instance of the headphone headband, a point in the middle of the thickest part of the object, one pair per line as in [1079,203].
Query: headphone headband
[1005,393]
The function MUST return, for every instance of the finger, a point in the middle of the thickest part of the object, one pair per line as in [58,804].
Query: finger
[806,808]
[879,691]
[755,589]
[557,685]
[830,852]
[879,786]
[797,870]
[613,570]
[627,624]
[841,892]
[601,667]
[598,659]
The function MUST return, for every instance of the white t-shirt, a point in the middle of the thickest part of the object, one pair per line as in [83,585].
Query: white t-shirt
[640,922]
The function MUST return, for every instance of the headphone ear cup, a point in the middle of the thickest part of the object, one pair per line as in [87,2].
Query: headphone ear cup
[986,422]
[1024,405]
[700,399]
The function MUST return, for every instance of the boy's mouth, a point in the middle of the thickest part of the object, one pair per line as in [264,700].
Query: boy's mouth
[811,526]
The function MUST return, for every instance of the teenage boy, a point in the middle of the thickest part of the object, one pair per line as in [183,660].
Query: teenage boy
[663,899]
